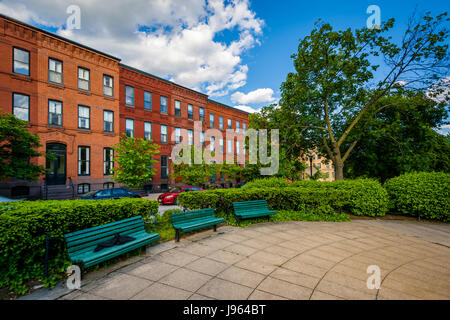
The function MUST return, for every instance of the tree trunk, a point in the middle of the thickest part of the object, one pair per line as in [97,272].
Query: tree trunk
[338,163]
[339,171]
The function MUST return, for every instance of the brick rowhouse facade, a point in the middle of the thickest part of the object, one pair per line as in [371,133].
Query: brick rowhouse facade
[74,98]
[146,100]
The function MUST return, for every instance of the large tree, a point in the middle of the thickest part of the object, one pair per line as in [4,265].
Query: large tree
[17,147]
[337,81]
[401,139]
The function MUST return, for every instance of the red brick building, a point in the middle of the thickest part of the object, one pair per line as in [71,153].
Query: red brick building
[66,91]
[78,100]
[157,109]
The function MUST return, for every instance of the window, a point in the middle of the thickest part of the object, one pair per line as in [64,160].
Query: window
[108,162]
[21,106]
[190,137]
[211,120]
[212,144]
[54,113]
[55,68]
[163,134]
[244,127]
[229,124]
[108,85]
[177,109]
[229,146]
[84,115]
[84,188]
[238,147]
[129,127]
[221,123]
[108,185]
[164,168]
[84,82]
[147,131]
[21,61]
[202,139]
[201,114]
[108,121]
[237,126]
[190,112]
[84,155]
[221,145]
[163,104]
[177,135]
[147,100]
[129,96]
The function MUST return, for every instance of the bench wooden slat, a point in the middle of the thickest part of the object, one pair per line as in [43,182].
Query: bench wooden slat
[81,244]
[252,209]
[193,220]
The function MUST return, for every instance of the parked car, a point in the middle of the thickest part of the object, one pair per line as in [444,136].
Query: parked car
[115,193]
[171,197]
[5,199]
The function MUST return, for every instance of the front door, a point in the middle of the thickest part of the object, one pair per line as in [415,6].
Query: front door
[56,164]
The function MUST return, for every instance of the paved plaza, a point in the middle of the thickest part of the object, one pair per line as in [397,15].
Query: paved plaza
[289,260]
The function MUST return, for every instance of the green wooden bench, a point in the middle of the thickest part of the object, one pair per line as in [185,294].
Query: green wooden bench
[81,244]
[251,209]
[193,220]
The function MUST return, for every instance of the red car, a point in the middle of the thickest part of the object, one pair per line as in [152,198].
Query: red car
[171,197]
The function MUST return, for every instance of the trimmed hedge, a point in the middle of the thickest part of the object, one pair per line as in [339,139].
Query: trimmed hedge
[424,194]
[293,199]
[367,197]
[23,227]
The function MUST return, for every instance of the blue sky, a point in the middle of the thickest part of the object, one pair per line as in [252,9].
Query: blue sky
[237,51]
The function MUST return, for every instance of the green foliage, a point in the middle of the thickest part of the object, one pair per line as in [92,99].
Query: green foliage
[366,196]
[17,147]
[287,198]
[134,159]
[321,213]
[332,90]
[23,226]
[162,224]
[318,174]
[400,139]
[199,174]
[426,194]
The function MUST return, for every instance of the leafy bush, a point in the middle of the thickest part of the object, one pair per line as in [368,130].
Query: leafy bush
[426,194]
[366,196]
[23,226]
[162,225]
[277,198]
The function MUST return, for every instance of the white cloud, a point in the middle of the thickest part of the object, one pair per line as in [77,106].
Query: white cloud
[256,96]
[246,109]
[440,91]
[175,39]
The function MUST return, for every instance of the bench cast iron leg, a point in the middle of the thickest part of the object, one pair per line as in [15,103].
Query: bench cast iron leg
[215,227]
[238,221]
[268,218]
[177,235]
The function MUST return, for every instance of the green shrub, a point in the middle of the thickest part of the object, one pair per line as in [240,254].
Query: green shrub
[23,226]
[162,225]
[277,198]
[366,196]
[426,194]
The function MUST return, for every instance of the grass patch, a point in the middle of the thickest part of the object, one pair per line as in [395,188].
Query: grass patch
[324,213]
